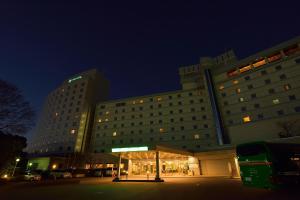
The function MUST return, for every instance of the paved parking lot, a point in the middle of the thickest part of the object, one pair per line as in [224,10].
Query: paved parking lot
[173,188]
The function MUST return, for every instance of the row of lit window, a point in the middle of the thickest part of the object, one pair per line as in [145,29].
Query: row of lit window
[261,62]
[247,118]
[253,96]
[160,130]
[141,101]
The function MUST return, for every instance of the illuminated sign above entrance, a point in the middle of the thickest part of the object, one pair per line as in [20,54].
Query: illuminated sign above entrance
[129,149]
[74,79]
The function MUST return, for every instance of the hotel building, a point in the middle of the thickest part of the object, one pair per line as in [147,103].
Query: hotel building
[222,102]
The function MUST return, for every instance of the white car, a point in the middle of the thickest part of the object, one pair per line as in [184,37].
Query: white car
[30,176]
[60,174]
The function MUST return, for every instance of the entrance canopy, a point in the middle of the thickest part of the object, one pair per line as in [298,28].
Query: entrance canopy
[149,152]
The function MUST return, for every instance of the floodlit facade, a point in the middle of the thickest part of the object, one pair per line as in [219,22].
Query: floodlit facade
[256,93]
[222,102]
[64,125]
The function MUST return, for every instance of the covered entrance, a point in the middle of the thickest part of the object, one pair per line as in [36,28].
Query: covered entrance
[154,163]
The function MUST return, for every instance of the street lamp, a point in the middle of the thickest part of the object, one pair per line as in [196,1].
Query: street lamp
[17,160]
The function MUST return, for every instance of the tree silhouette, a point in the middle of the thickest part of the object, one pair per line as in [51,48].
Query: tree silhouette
[16,114]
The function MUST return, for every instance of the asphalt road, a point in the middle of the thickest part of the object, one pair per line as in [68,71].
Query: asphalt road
[173,188]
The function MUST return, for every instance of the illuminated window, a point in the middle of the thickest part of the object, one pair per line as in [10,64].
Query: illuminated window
[235,82]
[245,68]
[73,131]
[114,134]
[56,114]
[246,119]
[259,63]
[133,102]
[221,87]
[107,112]
[238,90]
[141,101]
[159,99]
[161,130]
[241,99]
[232,72]
[276,101]
[287,87]
[100,120]
[196,137]
[274,57]
[106,120]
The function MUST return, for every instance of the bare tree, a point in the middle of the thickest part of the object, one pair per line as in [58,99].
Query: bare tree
[288,128]
[16,114]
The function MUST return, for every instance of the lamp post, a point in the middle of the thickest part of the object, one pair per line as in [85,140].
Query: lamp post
[29,166]
[17,160]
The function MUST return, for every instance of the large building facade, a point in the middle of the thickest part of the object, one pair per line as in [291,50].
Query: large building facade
[222,102]
[65,123]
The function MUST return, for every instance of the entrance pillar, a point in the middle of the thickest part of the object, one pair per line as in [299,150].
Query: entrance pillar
[157,177]
[119,168]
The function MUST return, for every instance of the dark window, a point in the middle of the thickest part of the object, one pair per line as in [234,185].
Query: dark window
[230,121]
[250,87]
[182,128]
[180,111]
[151,106]
[243,108]
[191,101]
[271,91]
[172,120]
[190,94]
[292,97]
[179,95]
[160,121]
[170,104]
[223,94]
[204,117]
[193,118]
[201,100]
[225,103]
[247,78]
[195,126]
[141,108]
[159,113]
[280,112]
[282,76]
[253,96]
[202,108]
[228,111]
[183,137]
[278,67]
[170,97]
[264,72]
[151,99]
[267,81]
[205,126]
[260,116]
[297,109]
[133,109]
[297,60]
[181,119]
[256,105]
[179,103]
[159,105]
[192,109]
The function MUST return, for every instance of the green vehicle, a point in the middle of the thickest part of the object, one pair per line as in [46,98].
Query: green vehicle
[269,165]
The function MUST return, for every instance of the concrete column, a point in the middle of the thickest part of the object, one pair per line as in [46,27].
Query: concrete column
[129,167]
[119,166]
[157,177]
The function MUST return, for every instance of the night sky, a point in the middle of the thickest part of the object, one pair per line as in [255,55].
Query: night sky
[138,45]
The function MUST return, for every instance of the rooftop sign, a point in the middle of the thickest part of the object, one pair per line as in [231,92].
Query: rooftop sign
[74,79]
[129,149]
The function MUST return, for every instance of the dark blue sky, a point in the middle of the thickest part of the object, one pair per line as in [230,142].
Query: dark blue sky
[139,45]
